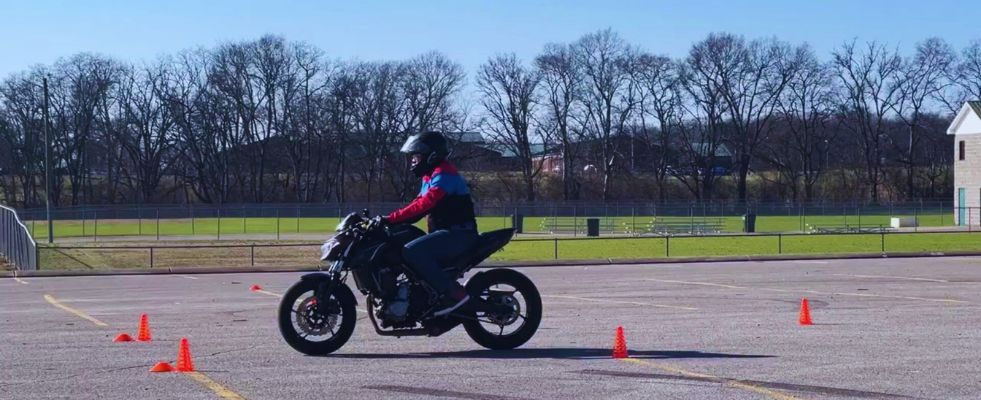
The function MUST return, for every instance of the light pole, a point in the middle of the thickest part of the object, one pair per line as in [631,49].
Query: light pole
[47,165]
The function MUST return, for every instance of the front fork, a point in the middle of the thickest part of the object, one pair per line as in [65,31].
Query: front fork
[326,284]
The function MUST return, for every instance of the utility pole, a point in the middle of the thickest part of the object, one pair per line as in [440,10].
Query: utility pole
[47,165]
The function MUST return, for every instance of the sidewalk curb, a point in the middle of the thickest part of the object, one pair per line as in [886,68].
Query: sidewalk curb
[524,264]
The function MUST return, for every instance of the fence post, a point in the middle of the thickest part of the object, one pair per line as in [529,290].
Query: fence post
[555,242]
[244,219]
[277,224]
[298,217]
[882,241]
[158,223]
[667,246]
[252,251]
[859,211]
[95,234]
[779,243]
[37,257]
[916,219]
[151,256]
[139,221]
[219,222]
[191,211]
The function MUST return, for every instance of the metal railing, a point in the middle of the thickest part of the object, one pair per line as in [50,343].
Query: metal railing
[16,243]
[533,249]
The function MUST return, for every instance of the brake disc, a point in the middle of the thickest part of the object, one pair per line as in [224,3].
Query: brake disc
[507,300]
[311,321]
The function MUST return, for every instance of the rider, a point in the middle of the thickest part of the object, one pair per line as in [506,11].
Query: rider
[445,198]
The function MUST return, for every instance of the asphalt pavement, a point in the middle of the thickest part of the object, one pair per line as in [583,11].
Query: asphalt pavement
[883,329]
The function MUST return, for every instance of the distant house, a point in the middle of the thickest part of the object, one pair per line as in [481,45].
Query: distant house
[966,129]
[470,151]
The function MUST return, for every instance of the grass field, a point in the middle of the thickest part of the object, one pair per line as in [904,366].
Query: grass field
[271,226]
[59,257]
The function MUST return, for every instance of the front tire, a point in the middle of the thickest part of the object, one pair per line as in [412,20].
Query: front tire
[300,320]
[488,329]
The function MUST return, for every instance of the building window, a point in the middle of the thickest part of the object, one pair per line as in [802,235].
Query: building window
[960,150]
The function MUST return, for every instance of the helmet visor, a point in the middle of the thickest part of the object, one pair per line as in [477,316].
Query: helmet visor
[415,145]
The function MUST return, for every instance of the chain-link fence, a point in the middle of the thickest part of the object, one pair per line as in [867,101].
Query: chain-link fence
[282,221]
[16,244]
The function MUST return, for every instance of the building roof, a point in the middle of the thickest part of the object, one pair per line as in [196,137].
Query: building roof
[968,120]
[466,137]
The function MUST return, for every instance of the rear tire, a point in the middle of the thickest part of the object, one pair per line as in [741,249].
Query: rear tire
[532,309]
[289,318]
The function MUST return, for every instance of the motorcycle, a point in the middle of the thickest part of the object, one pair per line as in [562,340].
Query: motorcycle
[317,315]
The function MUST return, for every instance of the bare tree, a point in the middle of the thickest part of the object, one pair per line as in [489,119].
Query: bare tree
[21,134]
[868,79]
[921,79]
[661,100]
[701,135]
[799,149]
[610,93]
[562,80]
[751,77]
[509,99]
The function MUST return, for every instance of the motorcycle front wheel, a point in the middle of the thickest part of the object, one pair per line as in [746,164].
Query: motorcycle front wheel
[314,330]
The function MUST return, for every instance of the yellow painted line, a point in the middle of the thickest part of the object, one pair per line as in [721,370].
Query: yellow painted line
[735,383]
[21,281]
[201,378]
[268,293]
[905,278]
[80,314]
[216,387]
[621,302]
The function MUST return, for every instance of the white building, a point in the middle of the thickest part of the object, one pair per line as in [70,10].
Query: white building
[966,129]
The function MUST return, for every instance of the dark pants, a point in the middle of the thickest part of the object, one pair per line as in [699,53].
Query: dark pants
[429,254]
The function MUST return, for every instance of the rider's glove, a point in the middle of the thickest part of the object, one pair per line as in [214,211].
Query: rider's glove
[379,221]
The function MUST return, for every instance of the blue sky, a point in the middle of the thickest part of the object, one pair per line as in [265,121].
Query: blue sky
[41,31]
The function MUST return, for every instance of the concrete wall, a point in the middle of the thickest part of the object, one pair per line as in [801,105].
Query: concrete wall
[967,175]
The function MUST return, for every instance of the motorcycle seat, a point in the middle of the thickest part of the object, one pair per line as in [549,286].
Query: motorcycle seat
[487,244]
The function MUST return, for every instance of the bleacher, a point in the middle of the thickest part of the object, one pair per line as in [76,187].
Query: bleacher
[847,228]
[686,226]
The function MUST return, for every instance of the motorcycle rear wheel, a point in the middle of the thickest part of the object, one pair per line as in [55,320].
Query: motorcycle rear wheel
[528,315]
[300,319]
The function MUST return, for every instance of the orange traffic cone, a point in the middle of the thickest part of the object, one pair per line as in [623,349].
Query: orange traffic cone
[255,288]
[805,313]
[162,366]
[144,335]
[620,344]
[123,337]
[184,362]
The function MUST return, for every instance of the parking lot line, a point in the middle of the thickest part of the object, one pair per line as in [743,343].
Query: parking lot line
[21,281]
[773,394]
[199,377]
[884,296]
[50,299]
[905,278]
[216,387]
[621,302]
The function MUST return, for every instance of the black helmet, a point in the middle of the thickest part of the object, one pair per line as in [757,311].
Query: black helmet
[432,147]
